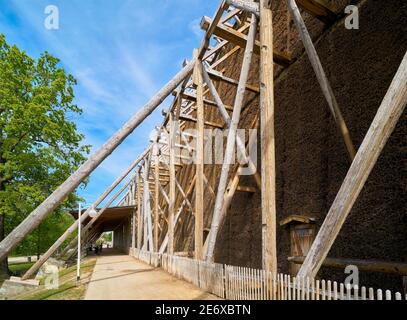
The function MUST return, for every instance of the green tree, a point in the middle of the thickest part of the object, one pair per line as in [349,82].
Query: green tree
[39,143]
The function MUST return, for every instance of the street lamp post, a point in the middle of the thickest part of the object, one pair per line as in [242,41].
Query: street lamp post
[78,266]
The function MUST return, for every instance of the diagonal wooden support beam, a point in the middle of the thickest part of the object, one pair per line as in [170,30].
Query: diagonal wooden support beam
[221,45]
[379,132]
[164,244]
[231,188]
[211,27]
[84,216]
[231,139]
[226,118]
[57,197]
[192,97]
[240,39]
[322,78]
[225,57]
[216,75]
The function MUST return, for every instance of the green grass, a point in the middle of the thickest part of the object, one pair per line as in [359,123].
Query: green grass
[20,268]
[68,288]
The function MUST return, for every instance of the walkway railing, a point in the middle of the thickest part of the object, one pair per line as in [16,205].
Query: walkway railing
[240,283]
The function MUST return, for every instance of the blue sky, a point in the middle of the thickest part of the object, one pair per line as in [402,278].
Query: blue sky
[120,51]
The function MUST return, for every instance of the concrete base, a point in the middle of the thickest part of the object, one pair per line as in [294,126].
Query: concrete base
[49,267]
[15,285]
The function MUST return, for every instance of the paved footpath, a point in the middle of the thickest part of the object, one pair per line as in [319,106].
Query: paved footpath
[121,277]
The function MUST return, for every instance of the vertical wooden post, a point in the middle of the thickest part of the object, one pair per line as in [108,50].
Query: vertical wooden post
[148,235]
[199,186]
[139,214]
[379,132]
[133,221]
[171,207]
[267,139]
[156,193]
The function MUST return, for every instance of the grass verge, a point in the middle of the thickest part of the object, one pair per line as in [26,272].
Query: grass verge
[68,288]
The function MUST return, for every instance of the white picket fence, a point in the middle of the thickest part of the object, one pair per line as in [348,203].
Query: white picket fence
[240,283]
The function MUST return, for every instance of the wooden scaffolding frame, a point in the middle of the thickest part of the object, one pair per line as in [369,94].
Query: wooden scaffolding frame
[154,183]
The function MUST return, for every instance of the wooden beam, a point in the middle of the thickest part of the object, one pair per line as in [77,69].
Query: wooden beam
[199,161]
[320,9]
[221,45]
[397,268]
[156,195]
[225,56]
[139,210]
[207,123]
[147,203]
[57,197]
[192,97]
[248,6]
[227,119]
[209,31]
[133,220]
[246,189]
[231,139]
[322,78]
[267,140]
[171,207]
[165,242]
[216,75]
[379,132]
[240,39]
[84,216]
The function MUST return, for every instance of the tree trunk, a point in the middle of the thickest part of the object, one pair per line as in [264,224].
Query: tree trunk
[4,272]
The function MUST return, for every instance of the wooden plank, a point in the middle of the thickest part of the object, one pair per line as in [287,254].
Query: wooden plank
[267,138]
[238,38]
[379,132]
[199,161]
[398,268]
[322,78]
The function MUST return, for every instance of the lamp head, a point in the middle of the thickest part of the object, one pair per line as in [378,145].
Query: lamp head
[93,213]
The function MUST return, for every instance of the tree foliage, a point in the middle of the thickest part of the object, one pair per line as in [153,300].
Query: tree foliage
[39,143]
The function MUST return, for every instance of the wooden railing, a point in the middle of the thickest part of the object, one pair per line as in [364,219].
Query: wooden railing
[241,283]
